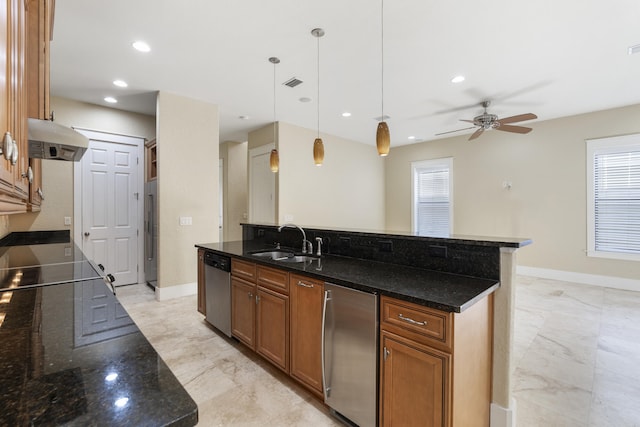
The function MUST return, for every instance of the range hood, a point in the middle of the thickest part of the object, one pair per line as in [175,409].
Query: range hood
[49,140]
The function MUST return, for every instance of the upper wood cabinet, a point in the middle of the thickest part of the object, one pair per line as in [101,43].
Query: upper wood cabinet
[151,153]
[24,91]
[39,36]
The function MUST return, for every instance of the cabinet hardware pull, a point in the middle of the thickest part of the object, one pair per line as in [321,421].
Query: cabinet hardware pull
[257,299]
[250,295]
[410,320]
[385,353]
[305,285]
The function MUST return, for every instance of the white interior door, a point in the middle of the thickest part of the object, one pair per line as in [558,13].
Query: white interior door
[262,188]
[111,204]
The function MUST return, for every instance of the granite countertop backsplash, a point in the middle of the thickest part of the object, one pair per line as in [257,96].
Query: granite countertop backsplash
[440,290]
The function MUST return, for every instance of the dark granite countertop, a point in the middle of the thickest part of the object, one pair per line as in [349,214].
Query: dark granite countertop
[70,355]
[443,291]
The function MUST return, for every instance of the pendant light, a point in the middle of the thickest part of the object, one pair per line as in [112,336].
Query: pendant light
[318,146]
[274,158]
[383,139]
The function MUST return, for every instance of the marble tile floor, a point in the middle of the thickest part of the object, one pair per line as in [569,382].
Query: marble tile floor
[576,353]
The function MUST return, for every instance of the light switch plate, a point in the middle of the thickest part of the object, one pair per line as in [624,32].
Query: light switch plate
[67,220]
[186,220]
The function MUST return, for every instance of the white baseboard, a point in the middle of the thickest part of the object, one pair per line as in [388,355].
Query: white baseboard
[503,417]
[587,279]
[176,291]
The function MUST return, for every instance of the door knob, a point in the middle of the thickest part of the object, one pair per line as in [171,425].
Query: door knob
[86,234]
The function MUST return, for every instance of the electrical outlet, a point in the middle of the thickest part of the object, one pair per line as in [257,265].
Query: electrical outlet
[67,220]
[186,220]
[288,218]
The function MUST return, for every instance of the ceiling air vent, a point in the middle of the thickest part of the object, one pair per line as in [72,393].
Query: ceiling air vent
[292,82]
[634,49]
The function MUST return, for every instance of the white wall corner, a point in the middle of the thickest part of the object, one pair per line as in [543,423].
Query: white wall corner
[176,291]
[503,417]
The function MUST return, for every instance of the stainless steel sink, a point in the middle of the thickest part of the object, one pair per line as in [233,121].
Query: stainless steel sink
[273,254]
[284,256]
[299,258]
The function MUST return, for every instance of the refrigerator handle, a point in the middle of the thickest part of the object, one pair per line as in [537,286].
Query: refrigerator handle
[149,239]
[326,388]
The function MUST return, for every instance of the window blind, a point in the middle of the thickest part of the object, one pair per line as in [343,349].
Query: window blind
[617,201]
[432,201]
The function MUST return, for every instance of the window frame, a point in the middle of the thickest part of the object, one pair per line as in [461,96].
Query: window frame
[425,164]
[609,145]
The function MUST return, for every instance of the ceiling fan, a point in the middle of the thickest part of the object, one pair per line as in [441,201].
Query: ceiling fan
[486,121]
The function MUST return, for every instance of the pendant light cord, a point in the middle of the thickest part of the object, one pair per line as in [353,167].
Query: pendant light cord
[382,58]
[274,102]
[318,112]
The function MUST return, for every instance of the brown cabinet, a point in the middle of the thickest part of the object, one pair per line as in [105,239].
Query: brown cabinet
[202,305]
[435,367]
[14,183]
[243,311]
[260,310]
[151,154]
[39,34]
[306,331]
[24,73]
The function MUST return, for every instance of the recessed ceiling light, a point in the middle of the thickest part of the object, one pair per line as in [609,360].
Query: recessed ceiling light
[457,79]
[120,83]
[110,99]
[346,114]
[305,99]
[243,117]
[412,137]
[141,46]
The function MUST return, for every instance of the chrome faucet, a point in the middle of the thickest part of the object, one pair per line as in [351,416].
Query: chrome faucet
[305,243]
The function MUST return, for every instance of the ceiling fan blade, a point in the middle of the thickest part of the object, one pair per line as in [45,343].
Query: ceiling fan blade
[511,128]
[476,134]
[518,118]
[457,130]
[468,121]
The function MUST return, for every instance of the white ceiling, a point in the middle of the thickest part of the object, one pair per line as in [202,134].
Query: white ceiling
[553,58]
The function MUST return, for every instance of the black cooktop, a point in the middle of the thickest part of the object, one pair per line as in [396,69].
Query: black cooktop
[45,259]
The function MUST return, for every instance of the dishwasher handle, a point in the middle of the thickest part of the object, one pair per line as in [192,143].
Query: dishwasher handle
[326,388]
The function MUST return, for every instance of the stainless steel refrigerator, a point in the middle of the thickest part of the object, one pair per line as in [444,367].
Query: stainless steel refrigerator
[151,233]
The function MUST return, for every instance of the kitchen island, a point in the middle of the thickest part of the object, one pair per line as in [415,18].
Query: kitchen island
[70,353]
[443,319]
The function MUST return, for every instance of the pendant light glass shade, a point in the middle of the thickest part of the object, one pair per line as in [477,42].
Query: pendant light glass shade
[383,140]
[318,151]
[274,161]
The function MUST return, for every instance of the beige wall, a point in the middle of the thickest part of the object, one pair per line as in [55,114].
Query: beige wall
[57,183]
[547,201]
[234,156]
[347,191]
[187,155]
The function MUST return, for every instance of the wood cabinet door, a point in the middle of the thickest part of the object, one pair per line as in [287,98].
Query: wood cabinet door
[243,311]
[6,170]
[19,99]
[414,384]
[306,331]
[272,327]
[202,302]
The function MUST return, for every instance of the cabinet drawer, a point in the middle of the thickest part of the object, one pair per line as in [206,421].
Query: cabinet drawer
[244,269]
[305,282]
[276,280]
[434,325]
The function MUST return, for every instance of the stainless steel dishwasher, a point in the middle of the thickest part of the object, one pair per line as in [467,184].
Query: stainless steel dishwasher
[217,284]
[350,354]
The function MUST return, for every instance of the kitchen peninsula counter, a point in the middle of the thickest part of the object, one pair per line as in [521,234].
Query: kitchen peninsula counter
[436,289]
[71,355]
